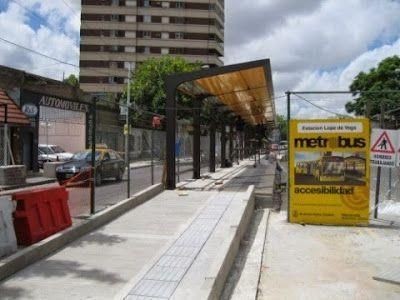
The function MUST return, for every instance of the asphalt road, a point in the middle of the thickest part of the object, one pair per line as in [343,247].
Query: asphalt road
[111,191]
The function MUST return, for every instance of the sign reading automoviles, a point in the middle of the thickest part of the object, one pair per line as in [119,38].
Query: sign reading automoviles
[329,162]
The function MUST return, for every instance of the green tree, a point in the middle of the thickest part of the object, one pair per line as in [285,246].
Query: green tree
[72,80]
[385,77]
[147,84]
[282,125]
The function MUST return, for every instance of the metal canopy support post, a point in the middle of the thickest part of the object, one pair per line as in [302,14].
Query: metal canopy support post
[196,138]
[379,170]
[212,146]
[127,133]
[289,153]
[231,142]
[93,158]
[170,113]
[152,156]
[223,145]
[241,149]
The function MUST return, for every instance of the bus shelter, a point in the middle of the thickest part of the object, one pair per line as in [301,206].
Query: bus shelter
[245,90]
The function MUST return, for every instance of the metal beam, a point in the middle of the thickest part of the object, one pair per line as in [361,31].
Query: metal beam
[196,137]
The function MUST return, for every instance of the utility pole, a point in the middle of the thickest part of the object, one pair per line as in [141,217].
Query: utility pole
[5,148]
[378,172]
[127,133]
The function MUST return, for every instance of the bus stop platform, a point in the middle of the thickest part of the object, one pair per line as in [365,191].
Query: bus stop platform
[181,244]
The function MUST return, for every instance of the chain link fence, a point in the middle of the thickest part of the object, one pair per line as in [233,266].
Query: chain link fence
[388,208]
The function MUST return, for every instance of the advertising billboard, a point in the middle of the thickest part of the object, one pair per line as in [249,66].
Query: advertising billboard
[329,171]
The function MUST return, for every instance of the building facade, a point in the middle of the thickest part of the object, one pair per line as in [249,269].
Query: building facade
[119,33]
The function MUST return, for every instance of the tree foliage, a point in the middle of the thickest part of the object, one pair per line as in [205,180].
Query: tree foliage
[282,125]
[147,84]
[373,86]
[72,80]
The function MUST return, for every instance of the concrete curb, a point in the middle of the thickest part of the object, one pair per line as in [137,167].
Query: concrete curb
[28,184]
[33,253]
[220,278]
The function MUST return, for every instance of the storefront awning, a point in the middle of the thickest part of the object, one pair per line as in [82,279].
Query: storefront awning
[15,116]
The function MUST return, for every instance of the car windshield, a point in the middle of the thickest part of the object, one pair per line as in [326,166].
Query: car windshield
[46,150]
[85,155]
[57,149]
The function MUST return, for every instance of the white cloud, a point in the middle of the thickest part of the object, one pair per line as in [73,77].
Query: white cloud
[319,48]
[57,36]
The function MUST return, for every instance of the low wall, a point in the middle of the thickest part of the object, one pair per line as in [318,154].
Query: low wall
[12,175]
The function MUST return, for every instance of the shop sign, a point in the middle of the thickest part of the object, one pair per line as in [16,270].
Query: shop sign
[29,109]
[329,171]
[63,104]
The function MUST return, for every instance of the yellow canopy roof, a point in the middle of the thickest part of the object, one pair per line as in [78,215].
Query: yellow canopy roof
[246,89]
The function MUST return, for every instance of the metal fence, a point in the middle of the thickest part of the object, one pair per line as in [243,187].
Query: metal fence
[388,207]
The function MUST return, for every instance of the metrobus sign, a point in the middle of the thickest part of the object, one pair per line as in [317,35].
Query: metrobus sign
[329,171]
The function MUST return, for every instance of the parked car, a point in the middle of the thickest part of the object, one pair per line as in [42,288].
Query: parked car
[108,165]
[48,153]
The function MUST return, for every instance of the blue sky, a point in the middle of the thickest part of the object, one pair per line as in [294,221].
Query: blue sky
[312,44]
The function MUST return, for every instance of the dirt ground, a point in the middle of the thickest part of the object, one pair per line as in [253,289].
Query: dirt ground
[328,262]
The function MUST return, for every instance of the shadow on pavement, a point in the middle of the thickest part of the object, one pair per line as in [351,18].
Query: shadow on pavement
[10,293]
[99,239]
[67,268]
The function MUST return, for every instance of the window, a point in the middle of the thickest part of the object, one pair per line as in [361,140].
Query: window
[146,50]
[146,3]
[130,34]
[164,51]
[131,19]
[146,34]
[165,35]
[165,20]
[179,35]
[130,49]
[179,4]
[147,19]
[113,155]
[106,156]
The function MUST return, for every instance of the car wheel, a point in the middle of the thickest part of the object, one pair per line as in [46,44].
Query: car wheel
[120,175]
[98,179]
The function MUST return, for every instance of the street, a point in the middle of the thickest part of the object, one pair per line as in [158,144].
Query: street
[111,191]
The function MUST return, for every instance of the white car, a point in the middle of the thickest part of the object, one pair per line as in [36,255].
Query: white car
[48,153]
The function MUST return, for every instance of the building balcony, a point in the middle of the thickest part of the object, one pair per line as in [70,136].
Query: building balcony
[152,42]
[140,57]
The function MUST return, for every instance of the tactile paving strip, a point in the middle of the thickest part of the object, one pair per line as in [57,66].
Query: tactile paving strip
[162,279]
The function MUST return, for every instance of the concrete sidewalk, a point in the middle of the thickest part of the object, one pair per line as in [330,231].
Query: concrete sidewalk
[328,262]
[177,245]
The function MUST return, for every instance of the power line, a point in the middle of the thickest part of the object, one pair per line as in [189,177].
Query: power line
[317,106]
[38,53]
[50,57]
[67,5]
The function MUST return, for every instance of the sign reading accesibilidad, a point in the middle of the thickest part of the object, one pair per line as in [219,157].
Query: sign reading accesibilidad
[329,167]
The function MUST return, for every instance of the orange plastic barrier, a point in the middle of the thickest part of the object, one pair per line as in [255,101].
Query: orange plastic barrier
[40,213]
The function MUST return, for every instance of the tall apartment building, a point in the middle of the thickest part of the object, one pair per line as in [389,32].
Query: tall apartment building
[116,33]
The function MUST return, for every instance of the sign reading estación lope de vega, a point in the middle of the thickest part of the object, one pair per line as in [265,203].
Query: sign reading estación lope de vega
[329,171]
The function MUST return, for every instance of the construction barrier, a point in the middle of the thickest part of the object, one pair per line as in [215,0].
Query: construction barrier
[40,213]
[8,242]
